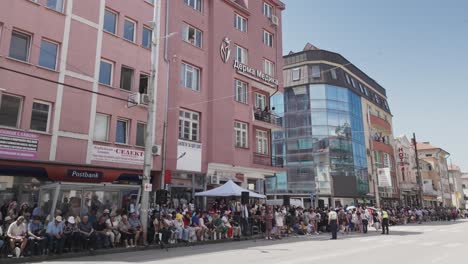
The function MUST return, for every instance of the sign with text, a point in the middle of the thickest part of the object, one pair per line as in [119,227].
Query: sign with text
[255,74]
[385,179]
[189,155]
[118,155]
[18,144]
[84,174]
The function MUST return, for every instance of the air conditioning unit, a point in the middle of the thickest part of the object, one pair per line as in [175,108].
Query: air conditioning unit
[156,150]
[214,179]
[144,99]
[274,20]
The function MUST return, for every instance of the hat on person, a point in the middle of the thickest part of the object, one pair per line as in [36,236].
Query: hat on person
[58,218]
[21,218]
[106,211]
[70,220]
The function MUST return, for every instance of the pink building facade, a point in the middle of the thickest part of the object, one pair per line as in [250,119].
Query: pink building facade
[64,87]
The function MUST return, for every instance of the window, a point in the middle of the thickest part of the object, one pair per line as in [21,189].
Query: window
[240,91]
[241,54]
[126,78]
[190,77]
[143,86]
[110,21]
[146,38]
[101,127]
[267,38]
[56,5]
[296,74]
[260,101]
[333,73]
[361,88]
[40,116]
[269,67]
[121,133]
[262,141]
[240,130]
[192,35]
[129,30]
[348,80]
[353,82]
[48,54]
[366,91]
[387,161]
[315,71]
[105,72]
[240,23]
[10,110]
[189,123]
[195,4]
[19,46]
[267,10]
[141,134]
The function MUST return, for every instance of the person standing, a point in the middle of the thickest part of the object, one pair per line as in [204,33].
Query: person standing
[333,223]
[384,221]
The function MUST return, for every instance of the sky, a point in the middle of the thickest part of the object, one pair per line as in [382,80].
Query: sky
[417,50]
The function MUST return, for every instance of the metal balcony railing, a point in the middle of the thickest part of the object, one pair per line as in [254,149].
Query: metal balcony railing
[267,160]
[268,117]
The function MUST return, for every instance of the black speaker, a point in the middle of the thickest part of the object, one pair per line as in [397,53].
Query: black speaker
[161,197]
[286,201]
[245,197]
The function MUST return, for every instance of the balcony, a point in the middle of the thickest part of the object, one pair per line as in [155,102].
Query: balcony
[267,160]
[380,146]
[380,123]
[409,187]
[267,119]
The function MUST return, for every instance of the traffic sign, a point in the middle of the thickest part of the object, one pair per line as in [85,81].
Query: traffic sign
[148,187]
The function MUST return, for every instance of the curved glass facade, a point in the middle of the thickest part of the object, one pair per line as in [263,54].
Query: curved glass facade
[324,136]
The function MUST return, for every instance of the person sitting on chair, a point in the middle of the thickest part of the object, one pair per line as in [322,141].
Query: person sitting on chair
[55,235]
[17,234]
[37,237]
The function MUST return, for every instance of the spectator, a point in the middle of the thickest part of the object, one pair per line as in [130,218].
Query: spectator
[196,226]
[128,235]
[55,235]
[102,239]
[1,238]
[135,225]
[37,238]
[17,232]
[72,233]
[87,233]
[113,230]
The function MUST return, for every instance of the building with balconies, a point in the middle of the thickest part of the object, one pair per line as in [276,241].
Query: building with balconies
[406,169]
[456,186]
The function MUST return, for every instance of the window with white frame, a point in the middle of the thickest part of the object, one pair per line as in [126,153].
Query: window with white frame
[267,38]
[387,161]
[129,30]
[140,134]
[143,85]
[262,141]
[241,133]
[56,5]
[192,35]
[195,4]
[315,71]
[260,101]
[241,55]
[106,72]
[101,127]
[189,125]
[121,132]
[240,91]
[10,110]
[296,74]
[126,78]
[333,73]
[110,21]
[240,23]
[20,45]
[190,77]
[348,80]
[269,67]
[40,116]
[48,54]
[267,10]
[353,82]
[146,37]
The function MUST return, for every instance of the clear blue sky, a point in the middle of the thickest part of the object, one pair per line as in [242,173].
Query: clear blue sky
[416,49]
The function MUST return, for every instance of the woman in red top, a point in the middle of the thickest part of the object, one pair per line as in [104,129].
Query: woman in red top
[269,221]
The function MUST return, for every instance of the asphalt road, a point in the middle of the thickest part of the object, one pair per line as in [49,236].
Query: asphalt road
[426,244]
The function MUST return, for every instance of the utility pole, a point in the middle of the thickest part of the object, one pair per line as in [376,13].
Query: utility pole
[150,126]
[418,171]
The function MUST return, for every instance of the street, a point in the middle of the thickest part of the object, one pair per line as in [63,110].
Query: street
[437,242]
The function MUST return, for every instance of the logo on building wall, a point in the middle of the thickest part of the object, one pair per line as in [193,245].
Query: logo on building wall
[225,49]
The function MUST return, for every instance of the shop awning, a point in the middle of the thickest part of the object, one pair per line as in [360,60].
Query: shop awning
[229,189]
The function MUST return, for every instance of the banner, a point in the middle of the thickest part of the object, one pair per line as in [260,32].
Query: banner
[189,156]
[18,144]
[384,177]
[117,155]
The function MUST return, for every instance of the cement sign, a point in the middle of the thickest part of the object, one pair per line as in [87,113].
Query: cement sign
[117,155]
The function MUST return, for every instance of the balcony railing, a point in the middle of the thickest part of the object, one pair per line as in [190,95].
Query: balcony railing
[268,117]
[267,160]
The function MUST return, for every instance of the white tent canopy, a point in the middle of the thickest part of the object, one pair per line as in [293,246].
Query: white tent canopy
[229,189]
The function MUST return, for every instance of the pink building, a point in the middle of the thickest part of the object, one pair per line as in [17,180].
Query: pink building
[67,68]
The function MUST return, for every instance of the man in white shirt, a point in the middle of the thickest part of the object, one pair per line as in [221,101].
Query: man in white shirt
[333,223]
[17,234]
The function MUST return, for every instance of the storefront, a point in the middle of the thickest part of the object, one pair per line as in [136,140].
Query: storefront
[183,186]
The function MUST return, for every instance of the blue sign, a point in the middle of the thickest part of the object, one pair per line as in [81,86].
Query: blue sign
[312,196]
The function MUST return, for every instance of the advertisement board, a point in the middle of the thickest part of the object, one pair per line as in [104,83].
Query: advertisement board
[18,144]
[117,155]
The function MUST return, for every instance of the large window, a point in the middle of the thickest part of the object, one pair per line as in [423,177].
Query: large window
[267,10]
[10,110]
[189,125]
[190,77]
[240,23]
[143,86]
[240,91]
[260,101]
[296,74]
[192,35]
[146,38]
[269,67]
[19,46]
[121,132]
[241,55]
[315,71]
[48,54]
[105,72]
[110,21]
[262,141]
[387,161]
[129,30]
[267,38]
[241,132]
[333,73]
[40,116]
[195,4]
[126,78]
[101,127]
[56,5]
[140,134]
